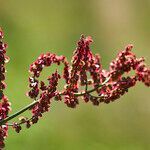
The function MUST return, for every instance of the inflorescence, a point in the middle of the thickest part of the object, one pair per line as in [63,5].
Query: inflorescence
[4,103]
[85,71]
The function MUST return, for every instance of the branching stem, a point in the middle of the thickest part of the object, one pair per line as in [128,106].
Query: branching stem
[36,101]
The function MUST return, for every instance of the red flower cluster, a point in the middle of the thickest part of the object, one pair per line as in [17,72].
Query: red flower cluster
[4,104]
[126,61]
[109,85]
[45,92]
[119,85]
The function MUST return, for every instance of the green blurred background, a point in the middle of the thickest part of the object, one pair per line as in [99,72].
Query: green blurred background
[33,27]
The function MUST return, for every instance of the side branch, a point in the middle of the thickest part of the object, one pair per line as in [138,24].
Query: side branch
[18,112]
[92,90]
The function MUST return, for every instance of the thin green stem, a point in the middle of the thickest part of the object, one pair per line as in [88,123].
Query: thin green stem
[18,112]
[92,90]
[35,102]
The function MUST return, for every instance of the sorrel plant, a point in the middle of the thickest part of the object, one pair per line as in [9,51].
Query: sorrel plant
[84,70]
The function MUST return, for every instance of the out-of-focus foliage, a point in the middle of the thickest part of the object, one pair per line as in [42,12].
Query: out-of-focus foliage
[37,26]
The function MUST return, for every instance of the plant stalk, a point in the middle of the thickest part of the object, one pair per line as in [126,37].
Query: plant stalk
[35,102]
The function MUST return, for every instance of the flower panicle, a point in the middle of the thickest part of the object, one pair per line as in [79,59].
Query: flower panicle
[4,103]
[84,77]
[86,70]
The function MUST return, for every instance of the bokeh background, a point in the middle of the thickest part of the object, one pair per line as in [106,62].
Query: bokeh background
[33,27]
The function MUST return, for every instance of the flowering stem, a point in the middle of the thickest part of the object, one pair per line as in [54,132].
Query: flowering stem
[35,102]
